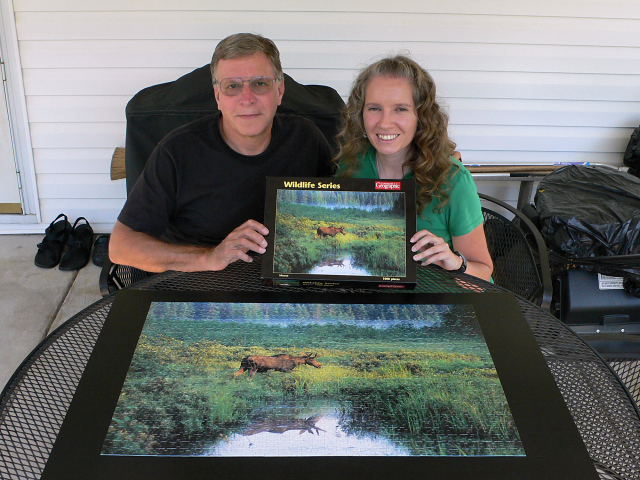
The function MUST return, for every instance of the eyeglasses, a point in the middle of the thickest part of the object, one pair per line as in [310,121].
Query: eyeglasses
[234,86]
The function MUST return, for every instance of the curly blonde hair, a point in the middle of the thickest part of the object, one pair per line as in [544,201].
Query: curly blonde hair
[431,146]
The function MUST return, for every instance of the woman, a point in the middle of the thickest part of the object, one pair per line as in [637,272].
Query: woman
[394,129]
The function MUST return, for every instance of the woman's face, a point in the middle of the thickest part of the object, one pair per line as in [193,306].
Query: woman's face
[389,116]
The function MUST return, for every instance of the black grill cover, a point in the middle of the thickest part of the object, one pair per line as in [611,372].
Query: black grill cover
[590,211]
[155,111]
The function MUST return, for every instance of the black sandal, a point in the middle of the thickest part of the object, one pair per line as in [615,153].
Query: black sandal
[81,240]
[55,238]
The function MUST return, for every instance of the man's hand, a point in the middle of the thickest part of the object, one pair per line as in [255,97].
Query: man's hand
[247,237]
[137,249]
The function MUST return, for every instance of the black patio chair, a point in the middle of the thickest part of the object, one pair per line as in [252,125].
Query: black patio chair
[518,251]
[155,111]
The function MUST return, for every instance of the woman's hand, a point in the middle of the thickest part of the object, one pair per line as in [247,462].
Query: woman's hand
[432,249]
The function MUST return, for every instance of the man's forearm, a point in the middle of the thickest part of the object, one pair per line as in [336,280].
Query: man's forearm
[140,250]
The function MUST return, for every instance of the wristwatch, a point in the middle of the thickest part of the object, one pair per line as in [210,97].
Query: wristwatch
[463,267]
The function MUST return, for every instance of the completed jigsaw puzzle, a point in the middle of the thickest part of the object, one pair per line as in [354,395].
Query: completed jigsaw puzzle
[295,379]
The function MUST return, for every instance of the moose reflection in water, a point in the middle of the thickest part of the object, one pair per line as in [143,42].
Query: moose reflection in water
[280,363]
[332,262]
[343,265]
[281,425]
[364,229]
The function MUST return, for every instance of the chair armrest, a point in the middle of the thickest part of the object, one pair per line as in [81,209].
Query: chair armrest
[114,277]
[104,277]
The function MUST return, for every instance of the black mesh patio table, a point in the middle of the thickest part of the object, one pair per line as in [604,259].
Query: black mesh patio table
[36,399]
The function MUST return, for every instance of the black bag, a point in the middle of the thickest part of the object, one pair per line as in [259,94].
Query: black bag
[155,111]
[632,154]
[590,211]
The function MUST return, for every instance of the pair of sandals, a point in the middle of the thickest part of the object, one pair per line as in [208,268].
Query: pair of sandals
[60,233]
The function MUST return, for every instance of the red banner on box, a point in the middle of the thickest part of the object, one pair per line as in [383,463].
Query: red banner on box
[388,186]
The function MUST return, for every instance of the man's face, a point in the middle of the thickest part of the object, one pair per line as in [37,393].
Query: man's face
[247,117]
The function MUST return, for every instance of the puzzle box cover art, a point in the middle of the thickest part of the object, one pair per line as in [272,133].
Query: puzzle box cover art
[333,231]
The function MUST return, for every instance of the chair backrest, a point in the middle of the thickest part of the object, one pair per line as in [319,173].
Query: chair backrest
[515,265]
[156,110]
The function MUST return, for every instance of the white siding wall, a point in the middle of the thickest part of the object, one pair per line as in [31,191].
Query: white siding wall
[526,82]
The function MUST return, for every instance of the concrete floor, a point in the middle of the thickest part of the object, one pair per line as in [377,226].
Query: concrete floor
[35,301]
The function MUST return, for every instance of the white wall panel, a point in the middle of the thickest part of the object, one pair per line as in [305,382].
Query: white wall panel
[78,186]
[525,82]
[464,84]
[539,86]
[551,8]
[354,26]
[77,135]
[557,139]
[95,81]
[94,197]
[338,55]
[73,160]
[78,108]
[116,53]
[560,113]
[100,212]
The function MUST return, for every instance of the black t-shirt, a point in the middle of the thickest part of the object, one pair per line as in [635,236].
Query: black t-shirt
[195,189]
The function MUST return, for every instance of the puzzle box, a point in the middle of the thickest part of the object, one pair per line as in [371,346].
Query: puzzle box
[340,231]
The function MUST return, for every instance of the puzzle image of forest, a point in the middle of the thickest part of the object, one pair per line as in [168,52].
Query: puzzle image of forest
[340,233]
[292,379]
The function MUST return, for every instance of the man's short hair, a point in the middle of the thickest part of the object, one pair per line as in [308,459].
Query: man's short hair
[244,45]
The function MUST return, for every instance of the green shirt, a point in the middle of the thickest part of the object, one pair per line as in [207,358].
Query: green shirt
[460,215]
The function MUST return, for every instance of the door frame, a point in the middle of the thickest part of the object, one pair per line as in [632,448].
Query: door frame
[18,119]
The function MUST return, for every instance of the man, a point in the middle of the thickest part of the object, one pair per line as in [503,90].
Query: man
[206,178]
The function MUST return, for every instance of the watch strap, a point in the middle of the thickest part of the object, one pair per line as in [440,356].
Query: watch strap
[463,267]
